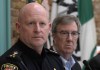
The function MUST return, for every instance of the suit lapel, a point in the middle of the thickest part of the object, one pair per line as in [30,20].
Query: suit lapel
[76,66]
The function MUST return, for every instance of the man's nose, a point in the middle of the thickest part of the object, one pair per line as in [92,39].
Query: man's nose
[37,27]
[70,37]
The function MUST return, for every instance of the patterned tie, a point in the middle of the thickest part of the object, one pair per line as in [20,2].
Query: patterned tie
[68,65]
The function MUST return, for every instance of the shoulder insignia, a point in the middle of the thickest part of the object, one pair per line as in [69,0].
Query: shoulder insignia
[53,51]
[54,68]
[9,66]
[14,54]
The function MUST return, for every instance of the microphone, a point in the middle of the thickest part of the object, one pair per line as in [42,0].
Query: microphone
[87,65]
[19,59]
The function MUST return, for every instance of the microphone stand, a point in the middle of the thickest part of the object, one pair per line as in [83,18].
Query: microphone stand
[87,65]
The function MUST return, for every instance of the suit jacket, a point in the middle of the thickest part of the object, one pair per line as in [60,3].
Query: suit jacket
[76,66]
[95,62]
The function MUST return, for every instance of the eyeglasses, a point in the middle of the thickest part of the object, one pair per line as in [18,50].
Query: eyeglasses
[65,34]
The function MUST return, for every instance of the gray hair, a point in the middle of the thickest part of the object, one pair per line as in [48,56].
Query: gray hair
[64,19]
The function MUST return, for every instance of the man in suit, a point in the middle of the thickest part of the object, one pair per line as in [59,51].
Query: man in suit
[65,32]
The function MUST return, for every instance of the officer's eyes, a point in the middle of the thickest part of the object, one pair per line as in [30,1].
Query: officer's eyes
[31,23]
[41,24]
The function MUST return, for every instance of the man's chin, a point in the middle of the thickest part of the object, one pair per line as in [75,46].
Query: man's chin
[38,44]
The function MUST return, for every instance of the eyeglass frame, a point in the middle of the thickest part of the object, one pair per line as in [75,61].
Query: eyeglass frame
[65,34]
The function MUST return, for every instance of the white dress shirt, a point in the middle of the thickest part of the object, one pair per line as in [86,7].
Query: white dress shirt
[70,62]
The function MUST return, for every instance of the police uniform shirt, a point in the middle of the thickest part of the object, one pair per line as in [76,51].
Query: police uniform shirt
[21,57]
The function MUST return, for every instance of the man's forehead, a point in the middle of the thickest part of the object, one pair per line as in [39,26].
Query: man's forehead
[32,9]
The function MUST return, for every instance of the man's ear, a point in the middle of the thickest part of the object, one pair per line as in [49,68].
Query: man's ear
[50,26]
[17,27]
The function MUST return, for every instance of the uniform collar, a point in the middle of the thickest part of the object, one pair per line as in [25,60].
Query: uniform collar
[28,51]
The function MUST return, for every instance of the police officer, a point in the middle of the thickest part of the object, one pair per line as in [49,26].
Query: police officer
[28,52]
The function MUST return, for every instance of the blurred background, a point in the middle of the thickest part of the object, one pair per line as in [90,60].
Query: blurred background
[10,10]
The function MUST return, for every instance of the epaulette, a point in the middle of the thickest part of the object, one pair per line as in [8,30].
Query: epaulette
[8,65]
[52,52]
[14,54]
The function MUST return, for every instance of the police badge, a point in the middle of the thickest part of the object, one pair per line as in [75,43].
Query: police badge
[9,66]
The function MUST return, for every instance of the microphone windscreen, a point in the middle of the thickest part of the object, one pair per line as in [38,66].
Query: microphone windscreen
[87,65]
[85,62]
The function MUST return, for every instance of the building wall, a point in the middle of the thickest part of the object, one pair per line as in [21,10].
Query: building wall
[17,4]
[15,7]
[96,4]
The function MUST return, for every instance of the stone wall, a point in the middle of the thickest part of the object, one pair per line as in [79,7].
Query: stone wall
[17,4]
[15,7]
[96,4]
